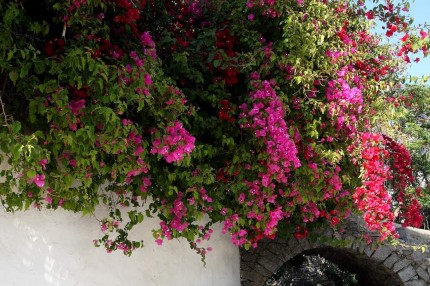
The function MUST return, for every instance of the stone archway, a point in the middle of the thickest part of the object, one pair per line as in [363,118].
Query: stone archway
[370,271]
[385,265]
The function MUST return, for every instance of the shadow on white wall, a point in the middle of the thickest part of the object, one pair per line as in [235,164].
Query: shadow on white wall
[55,248]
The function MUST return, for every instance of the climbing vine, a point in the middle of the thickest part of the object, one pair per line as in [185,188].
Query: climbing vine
[256,114]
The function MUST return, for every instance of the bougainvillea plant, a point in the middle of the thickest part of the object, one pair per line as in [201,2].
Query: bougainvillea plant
[260,115]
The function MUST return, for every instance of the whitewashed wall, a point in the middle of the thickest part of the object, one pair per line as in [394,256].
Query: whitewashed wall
[55,248]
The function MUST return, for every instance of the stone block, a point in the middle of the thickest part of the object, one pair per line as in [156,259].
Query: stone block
[315,244]
[292,242]
[389,262]
[409,252]
[407,274]
[248,257]
[382,252]
[369,250]
[304,243]
[262,270]
[245,267]
[399,265]
[418,282]
[423,274]
[269,263]
[418,255]
[294,247]
[353,245]
[275,256]
[252,278]
[281,250]
[361,247]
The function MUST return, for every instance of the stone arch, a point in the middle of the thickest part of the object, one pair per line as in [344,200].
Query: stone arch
[384,265]
[370,271]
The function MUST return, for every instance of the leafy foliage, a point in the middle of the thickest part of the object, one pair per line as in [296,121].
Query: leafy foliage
[254,114]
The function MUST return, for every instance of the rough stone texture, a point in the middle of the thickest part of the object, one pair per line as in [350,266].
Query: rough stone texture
[270,264]
[386,265]
[413,235]
[262,269]
[391,260]
[294,245]
[369,250]
[304,243]
[399,265]
[361,247]
[416,283]
[418,255]
[407,274]
[423,274]
[382,252]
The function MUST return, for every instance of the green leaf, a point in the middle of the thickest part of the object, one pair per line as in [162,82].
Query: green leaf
[39,67]
[16,151]
[31,174]
[24,70]
[16,127]
[10,54]
[13,75]
[32,110]
[216,63]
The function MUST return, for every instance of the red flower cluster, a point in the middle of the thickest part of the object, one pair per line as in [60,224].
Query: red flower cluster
[402,178]
[225,42]
[225,113]
[54,47]
[301,232]
[391,29]
[373,198]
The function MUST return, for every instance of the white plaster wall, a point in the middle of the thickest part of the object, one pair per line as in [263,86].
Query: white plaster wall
[55,248]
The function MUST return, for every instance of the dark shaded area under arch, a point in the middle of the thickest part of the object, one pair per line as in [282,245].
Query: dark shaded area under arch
[368,271]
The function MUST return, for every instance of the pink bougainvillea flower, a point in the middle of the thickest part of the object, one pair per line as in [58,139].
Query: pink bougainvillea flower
[48,200]
[174,145]
[39,180]
[43,163]
[148,80]
[72,163]
[159,241]
[138,151]
[146,40]
[126,122]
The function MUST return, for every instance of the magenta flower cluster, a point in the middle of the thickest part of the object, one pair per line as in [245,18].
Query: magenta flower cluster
[265,116]
[174,145]
[345,102]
